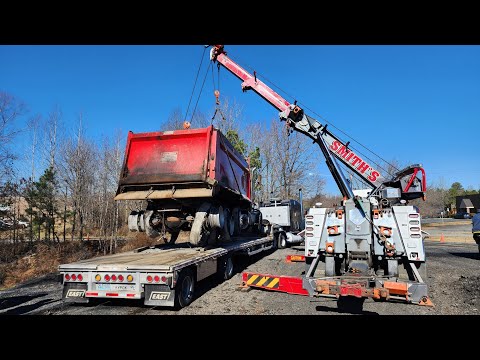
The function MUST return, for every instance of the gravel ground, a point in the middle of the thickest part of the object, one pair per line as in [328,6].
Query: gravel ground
[453,280]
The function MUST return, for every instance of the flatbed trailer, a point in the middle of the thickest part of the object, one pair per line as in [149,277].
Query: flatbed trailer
[163,275]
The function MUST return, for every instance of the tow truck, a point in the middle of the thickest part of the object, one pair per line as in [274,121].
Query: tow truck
[370,246]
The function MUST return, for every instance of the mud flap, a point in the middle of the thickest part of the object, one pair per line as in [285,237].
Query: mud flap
[159,295]
[75,293]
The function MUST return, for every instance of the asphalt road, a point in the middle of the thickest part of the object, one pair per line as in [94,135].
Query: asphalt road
[453,280]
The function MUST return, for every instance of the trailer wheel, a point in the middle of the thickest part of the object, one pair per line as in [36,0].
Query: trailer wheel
[282,240]
[184,289]
[225,270]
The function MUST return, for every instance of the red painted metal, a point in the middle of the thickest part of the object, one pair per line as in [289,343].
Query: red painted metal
[351,290]
[250,81]
[287,284]
[183,157]
[424,185]
[295,258]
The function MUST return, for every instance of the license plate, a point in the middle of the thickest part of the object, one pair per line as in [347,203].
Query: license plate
[115,287]
[75,293]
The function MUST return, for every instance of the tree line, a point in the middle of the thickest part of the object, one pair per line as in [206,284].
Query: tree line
[68,190]
[68,180]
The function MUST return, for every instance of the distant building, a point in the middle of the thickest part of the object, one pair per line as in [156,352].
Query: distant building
[468,203]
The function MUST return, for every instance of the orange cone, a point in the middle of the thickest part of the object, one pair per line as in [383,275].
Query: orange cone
[442,238]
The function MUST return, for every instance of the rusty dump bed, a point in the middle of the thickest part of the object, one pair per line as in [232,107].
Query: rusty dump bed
[182,164]
[167,258]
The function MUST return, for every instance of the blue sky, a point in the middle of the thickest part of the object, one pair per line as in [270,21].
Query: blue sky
[415,104]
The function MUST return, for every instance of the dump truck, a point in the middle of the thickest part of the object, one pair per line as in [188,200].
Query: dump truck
[197,190]
[195,183]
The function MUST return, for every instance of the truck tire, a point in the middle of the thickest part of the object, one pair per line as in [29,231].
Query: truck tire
[197,234]
[236,221]
[225,268]
[151,232]
[184,289]
[282,240]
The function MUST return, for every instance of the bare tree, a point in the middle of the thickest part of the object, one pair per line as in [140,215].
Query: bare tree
[78,165]
[294,163]
[33,125]
[176,120]
[52,136]
[11,108]
[229,116]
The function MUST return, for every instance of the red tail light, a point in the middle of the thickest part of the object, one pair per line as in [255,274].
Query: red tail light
[164,279]
[67,277]
[114,277]
[80,277]
[149,278]
[107,277]
[156,278]
[120,277]
[74,277]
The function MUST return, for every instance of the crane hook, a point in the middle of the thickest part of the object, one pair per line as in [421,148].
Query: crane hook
[217,95]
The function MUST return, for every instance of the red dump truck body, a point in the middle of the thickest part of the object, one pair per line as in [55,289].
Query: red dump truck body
[182,164]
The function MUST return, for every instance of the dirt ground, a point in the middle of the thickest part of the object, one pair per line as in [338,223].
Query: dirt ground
[453,280]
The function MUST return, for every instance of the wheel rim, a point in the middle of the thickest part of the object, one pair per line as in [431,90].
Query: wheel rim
[187,288]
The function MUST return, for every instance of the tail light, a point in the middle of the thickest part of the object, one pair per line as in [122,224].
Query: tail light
[164,279]
[80,277]
[120,278]
[156,278]
[129,278]
[114,277]
[67,277]
[329,248]
[98,277]
[74,277]
[107,277]
[149,278]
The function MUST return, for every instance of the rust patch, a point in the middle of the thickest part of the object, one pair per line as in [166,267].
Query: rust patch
[165,194]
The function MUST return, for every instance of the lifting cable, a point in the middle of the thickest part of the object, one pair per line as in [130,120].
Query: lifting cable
[201,89]
[326,121]
[195,83]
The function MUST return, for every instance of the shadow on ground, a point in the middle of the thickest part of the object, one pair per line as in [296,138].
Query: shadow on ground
[342,311]
[13,301]
[468,255]
[27,308]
